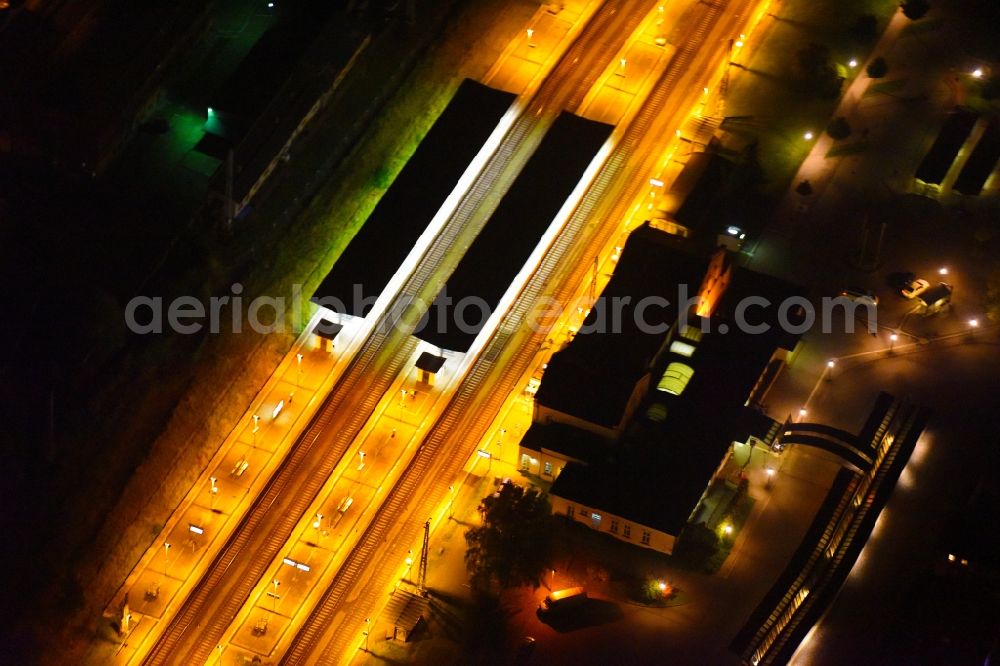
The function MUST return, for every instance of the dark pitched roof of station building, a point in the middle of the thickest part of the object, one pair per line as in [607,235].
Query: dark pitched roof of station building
[504,245]
[668,461]
[407,207]
[593,377]
[566,441]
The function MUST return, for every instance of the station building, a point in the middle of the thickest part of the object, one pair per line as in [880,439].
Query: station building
[633,421]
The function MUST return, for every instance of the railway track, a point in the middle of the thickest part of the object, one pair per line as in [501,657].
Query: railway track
[333,625]
[193,633]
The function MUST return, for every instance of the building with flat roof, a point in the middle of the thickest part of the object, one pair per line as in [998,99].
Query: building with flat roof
[683,395]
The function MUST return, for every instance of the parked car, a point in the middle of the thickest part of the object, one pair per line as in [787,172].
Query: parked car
[524,649]
[563,599]
[914,287]
[859,295]
[935,298]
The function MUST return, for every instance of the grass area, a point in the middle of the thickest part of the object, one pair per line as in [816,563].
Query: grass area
[885,87]
[843,149]
[763,87]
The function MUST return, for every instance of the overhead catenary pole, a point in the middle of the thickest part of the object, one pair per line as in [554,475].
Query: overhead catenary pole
[423,558]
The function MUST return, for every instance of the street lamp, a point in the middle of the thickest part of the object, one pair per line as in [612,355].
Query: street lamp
[770,476]
[275,583]
[402,399]
[977,73]
[368,630]
[808,136]
[973,323]
[166,558]
[802,412]
[853,63]
[220,649]
[486,454]
[361,465]
[214,491]
[298,376]
[943,270]
[892,340]
[622,65]
[319,521]
[531,33]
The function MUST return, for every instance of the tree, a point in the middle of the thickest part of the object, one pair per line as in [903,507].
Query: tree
[878,68]
[514,543]
[839,128]
[916,9]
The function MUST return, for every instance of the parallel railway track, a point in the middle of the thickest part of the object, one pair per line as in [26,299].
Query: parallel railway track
[265,528]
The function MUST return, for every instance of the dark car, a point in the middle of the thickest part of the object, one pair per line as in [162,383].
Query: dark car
[900,279]
[524,649]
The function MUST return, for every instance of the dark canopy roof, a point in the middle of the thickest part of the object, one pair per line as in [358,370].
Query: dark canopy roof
[503,246]
[407,207]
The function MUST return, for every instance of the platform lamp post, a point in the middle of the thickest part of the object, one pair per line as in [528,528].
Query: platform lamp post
[276,583]
[367,631]
[973,325]
[298,374]
[503,432]
[166,558]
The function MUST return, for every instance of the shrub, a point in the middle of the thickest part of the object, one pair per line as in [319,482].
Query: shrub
[878,68]
[839,128]
[916,9]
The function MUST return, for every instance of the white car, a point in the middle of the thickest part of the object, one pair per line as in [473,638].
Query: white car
[914,288]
